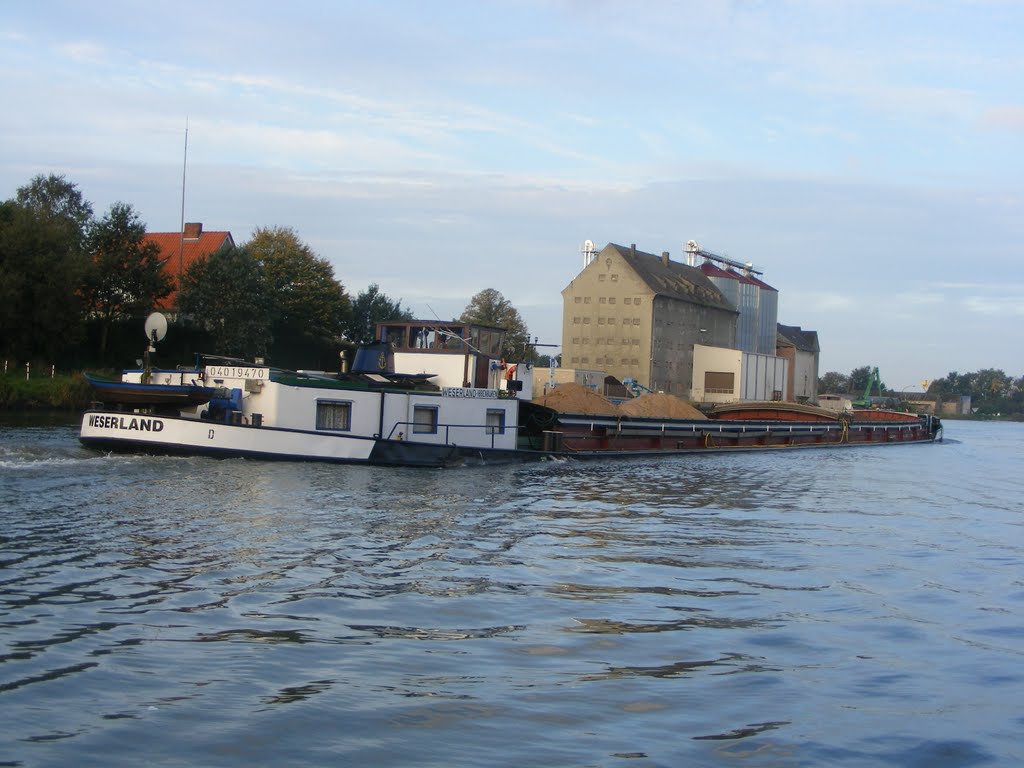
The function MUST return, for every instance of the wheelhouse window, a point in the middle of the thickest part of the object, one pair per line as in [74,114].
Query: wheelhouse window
[496,421]
[334,415]
[424,419]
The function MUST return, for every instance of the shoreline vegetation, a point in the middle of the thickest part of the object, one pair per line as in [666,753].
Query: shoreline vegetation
[61,392]
[71,392]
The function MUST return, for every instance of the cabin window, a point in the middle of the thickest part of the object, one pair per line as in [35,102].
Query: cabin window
[395,336]
[424,420]
[334,415]
[423,338]
[496,421]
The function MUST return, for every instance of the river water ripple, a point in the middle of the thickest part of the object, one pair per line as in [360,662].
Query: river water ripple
[849,607]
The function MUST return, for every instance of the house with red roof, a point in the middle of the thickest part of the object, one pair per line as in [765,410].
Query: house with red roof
[180,250]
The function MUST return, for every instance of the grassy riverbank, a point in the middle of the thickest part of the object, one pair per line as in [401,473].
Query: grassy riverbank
[61,392]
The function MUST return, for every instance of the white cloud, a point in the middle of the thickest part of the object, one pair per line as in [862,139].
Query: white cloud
[1008,118]
[995,306]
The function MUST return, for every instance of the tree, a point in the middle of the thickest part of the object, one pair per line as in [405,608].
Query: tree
[42,264]
[306,301]
[489,307]
[858,381]
[54,197]
[369,308]
[125,279]
[991,390]
[226,294]
[833,382]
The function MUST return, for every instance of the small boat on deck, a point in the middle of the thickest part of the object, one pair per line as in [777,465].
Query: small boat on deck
[135,393]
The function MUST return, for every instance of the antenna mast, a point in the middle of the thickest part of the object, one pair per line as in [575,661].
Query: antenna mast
[181,231]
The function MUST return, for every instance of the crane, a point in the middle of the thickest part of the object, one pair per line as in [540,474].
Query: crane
[636,387]
[873,380]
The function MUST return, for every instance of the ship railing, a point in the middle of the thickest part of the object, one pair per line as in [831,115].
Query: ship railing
[410,430]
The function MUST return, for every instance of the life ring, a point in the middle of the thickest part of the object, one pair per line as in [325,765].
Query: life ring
[510,372]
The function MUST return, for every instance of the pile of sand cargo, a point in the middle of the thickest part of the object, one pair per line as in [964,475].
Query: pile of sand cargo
[660,405]
[575,398]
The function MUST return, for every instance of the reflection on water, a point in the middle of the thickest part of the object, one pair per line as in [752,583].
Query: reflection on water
[851,606]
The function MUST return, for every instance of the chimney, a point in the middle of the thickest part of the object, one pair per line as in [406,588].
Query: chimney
[193,230]
[664,258]
[632,249]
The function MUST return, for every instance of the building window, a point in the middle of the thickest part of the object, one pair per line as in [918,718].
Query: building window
[424,419]
[637,301]
[602,300]
[611,321]
[577,299]
[627,300]
[334,415]
[719,382]
[615,278]
[586,321]
[586,299]
[600,278]
[600,321]
[576,320]
[611,300]
[636,321]
[496,421]
[575,339]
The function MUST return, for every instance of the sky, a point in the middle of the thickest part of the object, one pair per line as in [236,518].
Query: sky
[867,156]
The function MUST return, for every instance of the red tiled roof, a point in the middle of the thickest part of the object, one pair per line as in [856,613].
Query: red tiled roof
[713,270]
[195,246]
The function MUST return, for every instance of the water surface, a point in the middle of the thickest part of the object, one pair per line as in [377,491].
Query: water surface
[840,607]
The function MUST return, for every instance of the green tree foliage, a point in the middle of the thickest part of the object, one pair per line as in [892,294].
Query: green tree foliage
[54,197]
[124,279]
[226,294]
[369,308]
[305,299]
[991,391]
[42,264]
[834,383]
[489,307]
[858,382]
